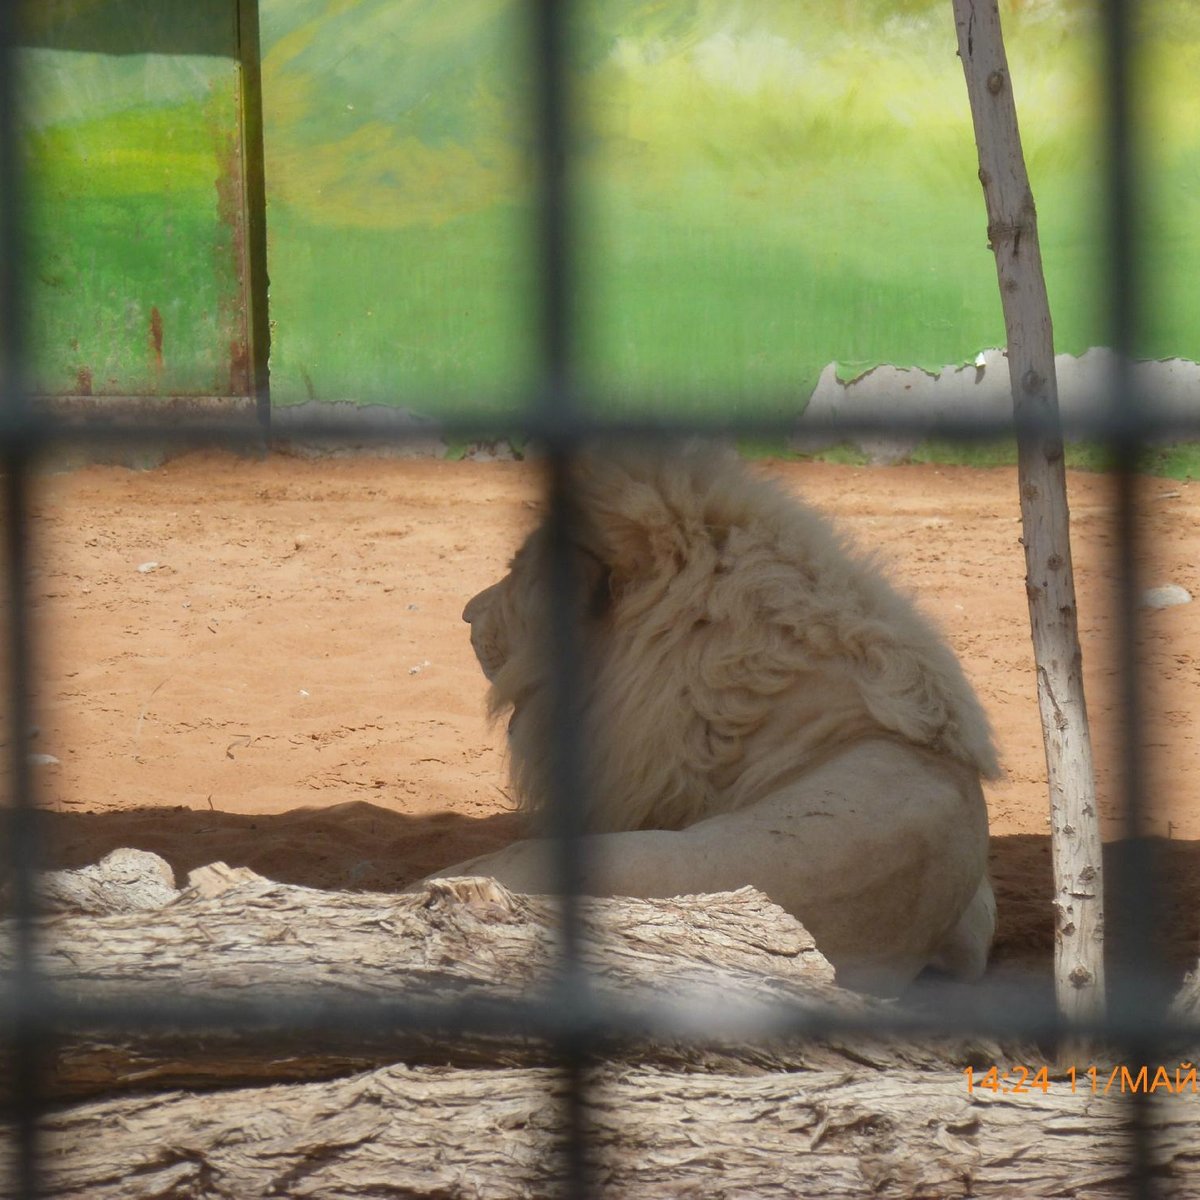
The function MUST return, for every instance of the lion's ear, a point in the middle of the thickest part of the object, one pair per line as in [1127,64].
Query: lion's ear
[627,554]
[628,525]
[633,522]
[630,549]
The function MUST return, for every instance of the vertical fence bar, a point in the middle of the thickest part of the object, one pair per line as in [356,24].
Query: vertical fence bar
[21,836]
[21,832]
[1135,984]
[555,404]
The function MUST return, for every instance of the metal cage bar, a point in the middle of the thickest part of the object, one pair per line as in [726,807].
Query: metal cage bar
[1134,989]
[20,827]
[559,418]
[555,404]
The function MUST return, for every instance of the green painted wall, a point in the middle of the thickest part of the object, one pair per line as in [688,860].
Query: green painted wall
[135,222]
[767,187]
[398,242]
[764,188]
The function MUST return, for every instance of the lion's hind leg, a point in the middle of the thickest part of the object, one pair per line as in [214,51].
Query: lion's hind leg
[964,953]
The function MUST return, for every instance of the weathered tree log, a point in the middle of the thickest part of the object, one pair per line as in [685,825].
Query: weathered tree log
[1186,1006]
[235,936]
[665,1121]
[428,1132]
[123,881]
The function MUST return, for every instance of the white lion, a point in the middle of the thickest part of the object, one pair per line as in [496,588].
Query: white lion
[760,707]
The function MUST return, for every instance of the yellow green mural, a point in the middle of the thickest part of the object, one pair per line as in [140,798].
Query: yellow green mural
[130,132]
[764,188]
[398,228]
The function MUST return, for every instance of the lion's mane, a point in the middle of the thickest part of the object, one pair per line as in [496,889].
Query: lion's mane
[733,642]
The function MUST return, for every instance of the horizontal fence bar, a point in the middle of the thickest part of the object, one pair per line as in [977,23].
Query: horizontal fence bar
[699,1016]
[33,432]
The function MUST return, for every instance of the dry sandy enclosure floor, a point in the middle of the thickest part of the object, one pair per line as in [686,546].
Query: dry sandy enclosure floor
[290,685]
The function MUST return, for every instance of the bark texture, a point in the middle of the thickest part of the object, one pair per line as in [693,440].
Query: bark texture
[427,1132]
[824,1119]
[123,881]
[1050,584]
[234,936]
[1186,1006]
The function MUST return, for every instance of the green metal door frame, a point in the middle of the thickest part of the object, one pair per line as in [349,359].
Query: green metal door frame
[126,252]
[254,208]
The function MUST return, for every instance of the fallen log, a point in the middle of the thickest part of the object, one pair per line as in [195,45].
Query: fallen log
[819,1119]
[122,881]
[234,936]
[492,1135]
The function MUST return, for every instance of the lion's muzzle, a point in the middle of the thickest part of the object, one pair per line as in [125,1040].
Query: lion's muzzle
[491,648]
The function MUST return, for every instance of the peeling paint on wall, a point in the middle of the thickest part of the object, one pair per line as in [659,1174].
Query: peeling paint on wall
[981,390]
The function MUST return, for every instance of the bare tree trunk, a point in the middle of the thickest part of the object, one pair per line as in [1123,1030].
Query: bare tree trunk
[494,1134]
[1049,582]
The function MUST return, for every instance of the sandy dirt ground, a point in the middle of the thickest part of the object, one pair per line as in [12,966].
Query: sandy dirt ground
[264,662]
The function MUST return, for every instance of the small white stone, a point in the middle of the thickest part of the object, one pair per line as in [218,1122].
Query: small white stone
[1166,596]
[43,760]
[304,693]
[147,567]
